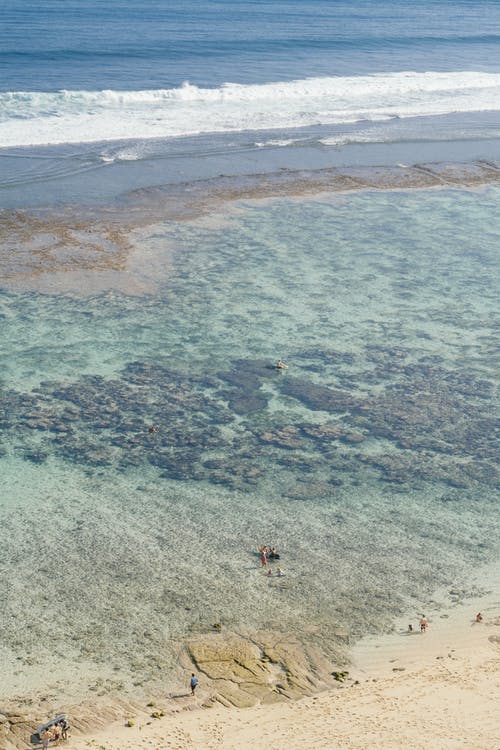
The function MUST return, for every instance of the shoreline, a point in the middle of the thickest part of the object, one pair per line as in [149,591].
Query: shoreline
[116,168]
[387,675]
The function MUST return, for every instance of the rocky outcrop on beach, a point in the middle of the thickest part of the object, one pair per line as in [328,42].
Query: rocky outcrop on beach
[266,668]
[234,670]
[15,728]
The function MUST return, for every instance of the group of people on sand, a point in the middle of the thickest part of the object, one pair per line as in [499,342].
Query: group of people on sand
[266,554]
[424,623]
[54,733]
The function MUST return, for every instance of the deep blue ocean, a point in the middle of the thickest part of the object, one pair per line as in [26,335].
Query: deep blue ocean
[159,44]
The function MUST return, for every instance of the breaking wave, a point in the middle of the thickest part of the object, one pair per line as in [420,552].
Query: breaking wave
[39,118]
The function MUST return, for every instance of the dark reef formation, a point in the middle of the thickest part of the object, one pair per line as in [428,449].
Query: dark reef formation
[404,420]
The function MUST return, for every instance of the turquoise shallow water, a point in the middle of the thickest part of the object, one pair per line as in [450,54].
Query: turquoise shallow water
[371,462]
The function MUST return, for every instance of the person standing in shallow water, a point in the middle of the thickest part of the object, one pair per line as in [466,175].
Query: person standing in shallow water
[193,683]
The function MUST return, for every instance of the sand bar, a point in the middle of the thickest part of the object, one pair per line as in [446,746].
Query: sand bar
[76,248]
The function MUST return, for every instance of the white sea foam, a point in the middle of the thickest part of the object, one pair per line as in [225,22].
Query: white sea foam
[130,153]
[280,142]
[36,118]
[416,134]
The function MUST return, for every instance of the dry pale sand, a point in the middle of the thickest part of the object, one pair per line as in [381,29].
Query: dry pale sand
[439,690]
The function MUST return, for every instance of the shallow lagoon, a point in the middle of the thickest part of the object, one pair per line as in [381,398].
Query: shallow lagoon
[371,462]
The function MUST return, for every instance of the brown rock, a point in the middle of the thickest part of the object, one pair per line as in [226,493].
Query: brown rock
[232,659]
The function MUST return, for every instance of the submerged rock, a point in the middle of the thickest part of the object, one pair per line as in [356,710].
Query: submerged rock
[283,437]
[439,421]
[36,457]
[324,432]
[243,402]
[321,397]
[353,437]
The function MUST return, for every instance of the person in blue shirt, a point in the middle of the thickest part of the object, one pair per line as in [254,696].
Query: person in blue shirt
[193,683]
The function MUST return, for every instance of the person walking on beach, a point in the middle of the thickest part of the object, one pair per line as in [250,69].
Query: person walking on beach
[193,683]
[263,558]
[424,624]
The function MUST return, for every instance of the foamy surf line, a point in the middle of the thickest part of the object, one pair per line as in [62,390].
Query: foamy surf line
[31,118]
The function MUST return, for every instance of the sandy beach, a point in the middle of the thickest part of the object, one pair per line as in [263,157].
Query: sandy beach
[403,690]
[441,689]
